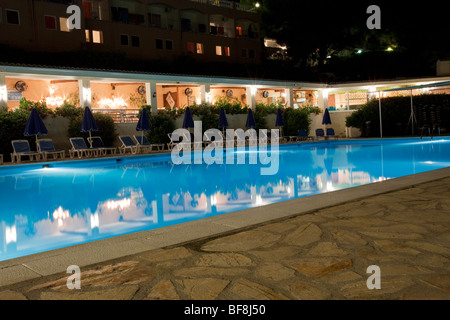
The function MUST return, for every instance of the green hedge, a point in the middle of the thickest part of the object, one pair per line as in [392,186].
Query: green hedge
[396,112]
[106,128]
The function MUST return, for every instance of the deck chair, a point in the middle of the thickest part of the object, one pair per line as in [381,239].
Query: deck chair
[144,143]
[330,133]
[46,148]
[22,149]
[80,149]
[303,135]
[211,140]
[173,143]
[128,144]
[320,133]
[97,143]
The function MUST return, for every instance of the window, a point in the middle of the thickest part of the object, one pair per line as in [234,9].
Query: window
[191,47]
[238,32]
[135,41]
[1,16]
[218,50]
[251,53]
[88,35]
[124,40]
[155,20]
[185,24]
[97,36]
[244,53]
[226,51]
[63,24]
[159,44]
[50,22]
[199,48]
[87,8]
[169,45]
[12,16]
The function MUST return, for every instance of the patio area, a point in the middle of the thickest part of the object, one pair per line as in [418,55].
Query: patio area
[317,247]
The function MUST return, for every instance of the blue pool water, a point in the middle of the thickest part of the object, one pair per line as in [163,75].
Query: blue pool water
[73,202]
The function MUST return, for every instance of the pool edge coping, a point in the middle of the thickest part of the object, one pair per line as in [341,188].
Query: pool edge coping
[54,262]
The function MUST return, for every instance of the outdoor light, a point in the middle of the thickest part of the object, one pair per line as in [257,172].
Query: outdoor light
[359,51]
[389,49]
[253,90]
[257,4]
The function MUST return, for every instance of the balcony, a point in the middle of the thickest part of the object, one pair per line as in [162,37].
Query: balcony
[228,5]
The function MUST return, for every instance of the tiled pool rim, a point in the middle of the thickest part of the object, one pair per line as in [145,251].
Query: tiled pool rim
[56,261]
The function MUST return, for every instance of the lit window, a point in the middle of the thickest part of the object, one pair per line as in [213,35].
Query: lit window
[226,51]
[169,45]
[199,48]
[190,47]
[238,32]
[88,36]
[124,41]
[12,16]
[97,36]
[63,25]
[218,50]
[50,22]
[135,41]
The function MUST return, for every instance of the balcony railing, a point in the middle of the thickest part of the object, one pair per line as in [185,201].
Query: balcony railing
[121,115]
[227,4]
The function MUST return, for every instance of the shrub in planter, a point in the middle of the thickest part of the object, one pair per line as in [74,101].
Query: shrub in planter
[161,124]
[13,124]
[106,128]
[294,120]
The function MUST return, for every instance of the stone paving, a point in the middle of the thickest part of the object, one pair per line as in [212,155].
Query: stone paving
[321,255]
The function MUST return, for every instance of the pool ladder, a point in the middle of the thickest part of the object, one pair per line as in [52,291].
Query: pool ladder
[430,132]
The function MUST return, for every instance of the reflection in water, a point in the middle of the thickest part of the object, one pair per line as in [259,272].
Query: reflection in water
[48,208]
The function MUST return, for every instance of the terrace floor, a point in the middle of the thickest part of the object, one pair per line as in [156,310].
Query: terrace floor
[317,247]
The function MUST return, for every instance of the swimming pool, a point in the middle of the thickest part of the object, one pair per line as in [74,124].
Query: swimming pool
[72,202]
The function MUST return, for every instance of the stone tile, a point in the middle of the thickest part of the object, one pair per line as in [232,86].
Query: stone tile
[242,241]
[314,267]
[303,235]
[115,293]
[338,277]
[203,288]
[277,254]
[302,290]
[348,237]
[389,246]
[198,272]
[163,290]
[274,272]
[326,249]
[429,247]
[12,295]
[439,281]
[392,235]
[249,290]
[166,254]
[359,290]
[223,260]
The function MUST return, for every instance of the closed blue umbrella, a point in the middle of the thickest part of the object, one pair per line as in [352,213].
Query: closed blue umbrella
[279,122]
[251,123]
[88,124]
[223,122]
[326,117]
[188,122]
[143,123]
[35,125]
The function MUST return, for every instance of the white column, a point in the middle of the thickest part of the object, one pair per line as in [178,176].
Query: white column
[289,92]
[323,99]
[251,96]
[150,94]
[205,93]
[84,87]
[3,92]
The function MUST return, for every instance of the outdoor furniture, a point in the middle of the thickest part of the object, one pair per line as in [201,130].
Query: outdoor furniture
[303,135]
[128,144]
[22,149]
[144,143]
[80,148]
[320,133]
[97,143]
[46,148]
[172,143]
[330,133]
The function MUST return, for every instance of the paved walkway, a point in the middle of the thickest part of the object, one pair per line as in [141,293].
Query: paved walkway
[323,254]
